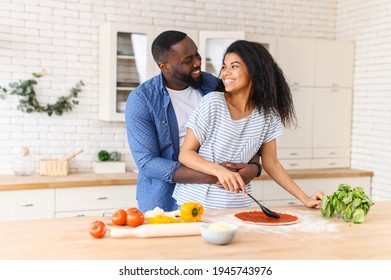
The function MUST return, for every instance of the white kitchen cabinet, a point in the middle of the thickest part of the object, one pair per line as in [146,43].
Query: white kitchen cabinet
[334,65]
[274,195]
[301,135]
[296,57]
[320,73]
[125,61]
[212,46]
[316,62]
[294,147]
[87,201]
[26,204]
[269,42]
[332,127]
[332,118]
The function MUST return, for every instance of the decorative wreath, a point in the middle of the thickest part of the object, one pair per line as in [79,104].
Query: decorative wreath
[29,103]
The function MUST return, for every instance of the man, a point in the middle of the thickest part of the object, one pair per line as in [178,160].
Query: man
[156,114]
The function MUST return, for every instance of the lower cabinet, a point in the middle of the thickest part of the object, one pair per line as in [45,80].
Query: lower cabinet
[271,194]
[27,204]
[93,201]
[65,202]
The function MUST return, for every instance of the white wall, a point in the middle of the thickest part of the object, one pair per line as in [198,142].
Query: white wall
[62,37]
[368,24]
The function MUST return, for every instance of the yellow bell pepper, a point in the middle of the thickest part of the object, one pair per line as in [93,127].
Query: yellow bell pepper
[161,219]
[191,212]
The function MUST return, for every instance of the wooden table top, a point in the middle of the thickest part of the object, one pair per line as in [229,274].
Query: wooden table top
[313,238]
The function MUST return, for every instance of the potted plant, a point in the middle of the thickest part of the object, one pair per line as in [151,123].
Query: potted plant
[109,163]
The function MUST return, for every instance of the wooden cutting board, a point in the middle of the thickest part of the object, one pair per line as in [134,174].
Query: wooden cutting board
[156,230]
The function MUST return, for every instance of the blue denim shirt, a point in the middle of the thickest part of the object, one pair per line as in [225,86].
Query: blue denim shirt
[153,138]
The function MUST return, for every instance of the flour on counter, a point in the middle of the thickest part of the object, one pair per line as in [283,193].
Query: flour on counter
[308,223]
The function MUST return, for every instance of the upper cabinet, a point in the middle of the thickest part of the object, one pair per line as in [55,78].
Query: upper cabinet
[212,46]
[334,64]
[296,57]
[269,42]
[125,61]
[313,62]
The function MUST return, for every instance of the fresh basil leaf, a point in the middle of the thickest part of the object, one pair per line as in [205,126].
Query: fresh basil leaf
[358,216]
[348,198]
[347,214]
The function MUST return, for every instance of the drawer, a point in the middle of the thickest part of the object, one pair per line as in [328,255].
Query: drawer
[294,153]
[272,191]
[26,204]
[296,163]
[95,198]
[87,213]
[331,153]
[282,202]
[330,163]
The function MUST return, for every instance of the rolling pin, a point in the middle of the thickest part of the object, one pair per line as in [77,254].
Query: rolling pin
[73,155]
[157,230]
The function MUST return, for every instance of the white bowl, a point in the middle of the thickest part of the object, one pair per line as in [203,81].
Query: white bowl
[218,233]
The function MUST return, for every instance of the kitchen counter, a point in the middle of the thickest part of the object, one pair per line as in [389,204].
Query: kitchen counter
[12,182]
[313,238]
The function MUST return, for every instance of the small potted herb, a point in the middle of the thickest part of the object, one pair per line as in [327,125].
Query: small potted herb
[109,163]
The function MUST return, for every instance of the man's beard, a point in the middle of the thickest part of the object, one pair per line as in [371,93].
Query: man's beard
[196,84]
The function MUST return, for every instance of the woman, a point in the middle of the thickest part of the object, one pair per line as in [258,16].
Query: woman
[243,117]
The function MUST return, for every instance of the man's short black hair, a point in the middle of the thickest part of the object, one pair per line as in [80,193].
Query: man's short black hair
[163,43]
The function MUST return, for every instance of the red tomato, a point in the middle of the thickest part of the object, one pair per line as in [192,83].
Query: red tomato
[119,217]
[98,229]
[134,217]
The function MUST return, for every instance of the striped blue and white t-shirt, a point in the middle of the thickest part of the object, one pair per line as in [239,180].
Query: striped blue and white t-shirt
[223,139]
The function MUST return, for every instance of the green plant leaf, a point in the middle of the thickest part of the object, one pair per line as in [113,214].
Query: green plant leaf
[358,216]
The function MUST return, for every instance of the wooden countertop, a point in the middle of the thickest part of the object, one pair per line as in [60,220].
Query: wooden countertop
[313,238]
[12,182]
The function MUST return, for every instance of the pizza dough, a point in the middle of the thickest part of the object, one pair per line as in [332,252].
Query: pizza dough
[259,218]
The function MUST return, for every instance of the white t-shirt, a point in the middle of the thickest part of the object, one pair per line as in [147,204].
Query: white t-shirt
[223,139]
[184,102]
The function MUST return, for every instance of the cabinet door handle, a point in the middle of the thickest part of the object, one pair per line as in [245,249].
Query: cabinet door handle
[293,164]
[27,205]
[102,198]
[296,84]
[293,154]
[80,215]
[332,153]
[332,163]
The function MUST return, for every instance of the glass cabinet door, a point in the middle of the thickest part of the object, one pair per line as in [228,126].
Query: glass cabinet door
[131,65]
[125,62]
[212,46]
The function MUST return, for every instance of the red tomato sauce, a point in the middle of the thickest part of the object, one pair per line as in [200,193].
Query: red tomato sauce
[260,217]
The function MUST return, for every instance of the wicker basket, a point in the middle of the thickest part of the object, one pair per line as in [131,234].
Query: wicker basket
[54,167]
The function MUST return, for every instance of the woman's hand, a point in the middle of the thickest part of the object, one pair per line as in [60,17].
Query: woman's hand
[247,171]
[230,180]
[314,201]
